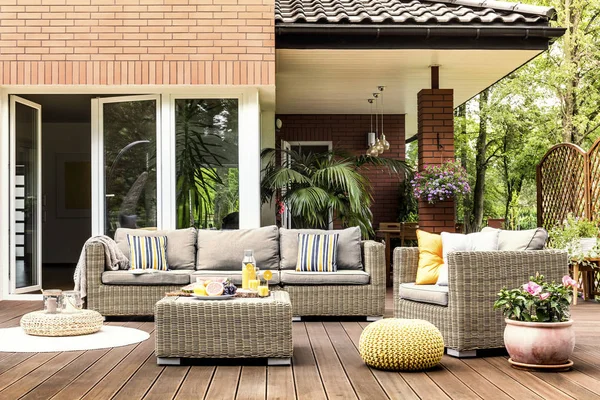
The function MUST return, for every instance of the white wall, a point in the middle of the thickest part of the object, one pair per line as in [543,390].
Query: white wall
[62,237]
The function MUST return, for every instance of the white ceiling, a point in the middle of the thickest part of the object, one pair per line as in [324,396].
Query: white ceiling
[341,81]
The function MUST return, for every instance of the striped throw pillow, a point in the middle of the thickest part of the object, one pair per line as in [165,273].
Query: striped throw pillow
[317,252]
[148,252]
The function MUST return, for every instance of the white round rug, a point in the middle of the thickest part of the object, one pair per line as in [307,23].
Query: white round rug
[15,340]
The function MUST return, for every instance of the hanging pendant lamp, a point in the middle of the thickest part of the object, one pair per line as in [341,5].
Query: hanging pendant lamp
[372,151]
[378,145]
[383,141]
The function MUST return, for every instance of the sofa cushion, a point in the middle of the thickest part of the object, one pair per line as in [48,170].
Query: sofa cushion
[432,294]
[151,278]
[148,252]
[234,275]
[181,245]
[341,277]
[430,257]
[530,239]
[348,251]
[224,250]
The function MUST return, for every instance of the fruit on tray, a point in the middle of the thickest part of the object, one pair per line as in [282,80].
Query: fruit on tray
[229,288]
[267,275]
[200,290]
[214,288]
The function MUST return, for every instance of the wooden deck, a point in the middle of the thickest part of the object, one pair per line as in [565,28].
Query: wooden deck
[326,364]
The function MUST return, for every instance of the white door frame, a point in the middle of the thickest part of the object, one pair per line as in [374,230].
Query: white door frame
[98,189]
[249,149]
[13,176]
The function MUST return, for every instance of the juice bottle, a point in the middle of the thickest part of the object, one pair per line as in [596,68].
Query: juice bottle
[248,268]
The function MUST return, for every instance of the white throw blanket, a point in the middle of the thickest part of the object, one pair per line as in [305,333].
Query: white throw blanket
[113,258]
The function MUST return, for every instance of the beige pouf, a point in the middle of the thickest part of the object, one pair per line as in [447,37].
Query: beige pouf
[39,323]
[401,344]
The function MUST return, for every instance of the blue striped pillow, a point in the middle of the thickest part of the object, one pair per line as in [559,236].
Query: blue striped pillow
[317,252]
[148,252]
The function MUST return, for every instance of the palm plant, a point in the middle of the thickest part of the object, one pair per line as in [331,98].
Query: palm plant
[317,188]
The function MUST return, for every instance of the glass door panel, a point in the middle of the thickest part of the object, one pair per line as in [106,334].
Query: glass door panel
[26,257]
[129,129]
[207,163]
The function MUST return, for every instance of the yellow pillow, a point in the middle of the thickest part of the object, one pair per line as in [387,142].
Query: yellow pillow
[430,257]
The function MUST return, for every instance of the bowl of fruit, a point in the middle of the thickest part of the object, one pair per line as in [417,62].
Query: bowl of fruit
[214,289]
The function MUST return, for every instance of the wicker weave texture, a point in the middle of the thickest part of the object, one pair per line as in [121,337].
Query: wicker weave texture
[39,323]
[469,322]
[236,328]
[118,299]
[356,300]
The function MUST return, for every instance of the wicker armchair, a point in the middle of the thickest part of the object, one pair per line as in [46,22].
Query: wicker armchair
[469,322]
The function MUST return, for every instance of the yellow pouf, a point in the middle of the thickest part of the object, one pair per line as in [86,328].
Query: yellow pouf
[401,344]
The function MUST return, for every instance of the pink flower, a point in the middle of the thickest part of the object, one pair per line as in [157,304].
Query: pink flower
[532,288]
[568,281]
[544,296]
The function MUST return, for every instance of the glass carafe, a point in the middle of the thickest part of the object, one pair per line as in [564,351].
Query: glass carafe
[248,269]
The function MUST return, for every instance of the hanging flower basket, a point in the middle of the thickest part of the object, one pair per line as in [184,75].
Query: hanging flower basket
[440,182]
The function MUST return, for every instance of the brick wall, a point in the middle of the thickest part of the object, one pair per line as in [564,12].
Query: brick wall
[349,132]
[436,144]
[105,42]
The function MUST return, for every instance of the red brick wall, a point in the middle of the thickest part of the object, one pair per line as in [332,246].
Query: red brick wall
[436,119]
[349,132]
[105,42]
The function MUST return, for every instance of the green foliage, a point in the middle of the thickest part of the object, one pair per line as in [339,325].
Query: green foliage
[567,235]
[537,300]
[318,187]
[408,206]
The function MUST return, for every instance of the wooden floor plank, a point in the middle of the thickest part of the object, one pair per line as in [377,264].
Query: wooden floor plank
[224,383]
[280,383]
[196,383]
[90,377]
[583,380]
[540,387]
[12,360]
[65,376]
[141,381]
[110,384]
[422,384]
[253,383]
[566,385]
[364,383]
[306,373]
[509,385]
[450,384]
[39,375]
[168,383]
[472,379]
[335,380]
[20,370]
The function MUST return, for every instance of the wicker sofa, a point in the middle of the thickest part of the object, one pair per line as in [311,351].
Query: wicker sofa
[467,320]
[352,293]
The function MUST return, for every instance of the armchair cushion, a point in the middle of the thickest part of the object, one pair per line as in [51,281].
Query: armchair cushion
[432,294]
[430,257]
[530,239]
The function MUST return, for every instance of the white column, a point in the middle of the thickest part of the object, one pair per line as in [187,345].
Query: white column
[267,139]
[249,159]
[4,194]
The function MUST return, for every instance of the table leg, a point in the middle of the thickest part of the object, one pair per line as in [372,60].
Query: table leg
[576,277]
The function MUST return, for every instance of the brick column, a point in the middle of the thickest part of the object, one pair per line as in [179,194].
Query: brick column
[436,144]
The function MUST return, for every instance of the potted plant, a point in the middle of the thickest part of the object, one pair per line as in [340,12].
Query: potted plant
[576,235]
[539,332]
[440,182]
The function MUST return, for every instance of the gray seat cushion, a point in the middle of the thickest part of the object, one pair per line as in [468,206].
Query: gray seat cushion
[224,250]
[181,245]
[432,294]
[341,277]
[235,276]
[154,278]
[348,250]
[530,239]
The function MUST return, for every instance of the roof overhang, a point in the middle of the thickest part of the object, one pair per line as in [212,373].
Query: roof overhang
[321,81]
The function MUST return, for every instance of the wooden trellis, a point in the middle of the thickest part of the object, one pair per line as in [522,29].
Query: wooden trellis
[568,181]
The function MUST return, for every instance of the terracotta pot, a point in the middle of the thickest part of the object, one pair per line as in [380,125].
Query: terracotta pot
[541,343]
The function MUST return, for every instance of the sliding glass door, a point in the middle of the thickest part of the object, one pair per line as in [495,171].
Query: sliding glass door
[26,196]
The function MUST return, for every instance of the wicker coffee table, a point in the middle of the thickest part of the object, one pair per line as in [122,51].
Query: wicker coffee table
[234,328]
[84,322]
